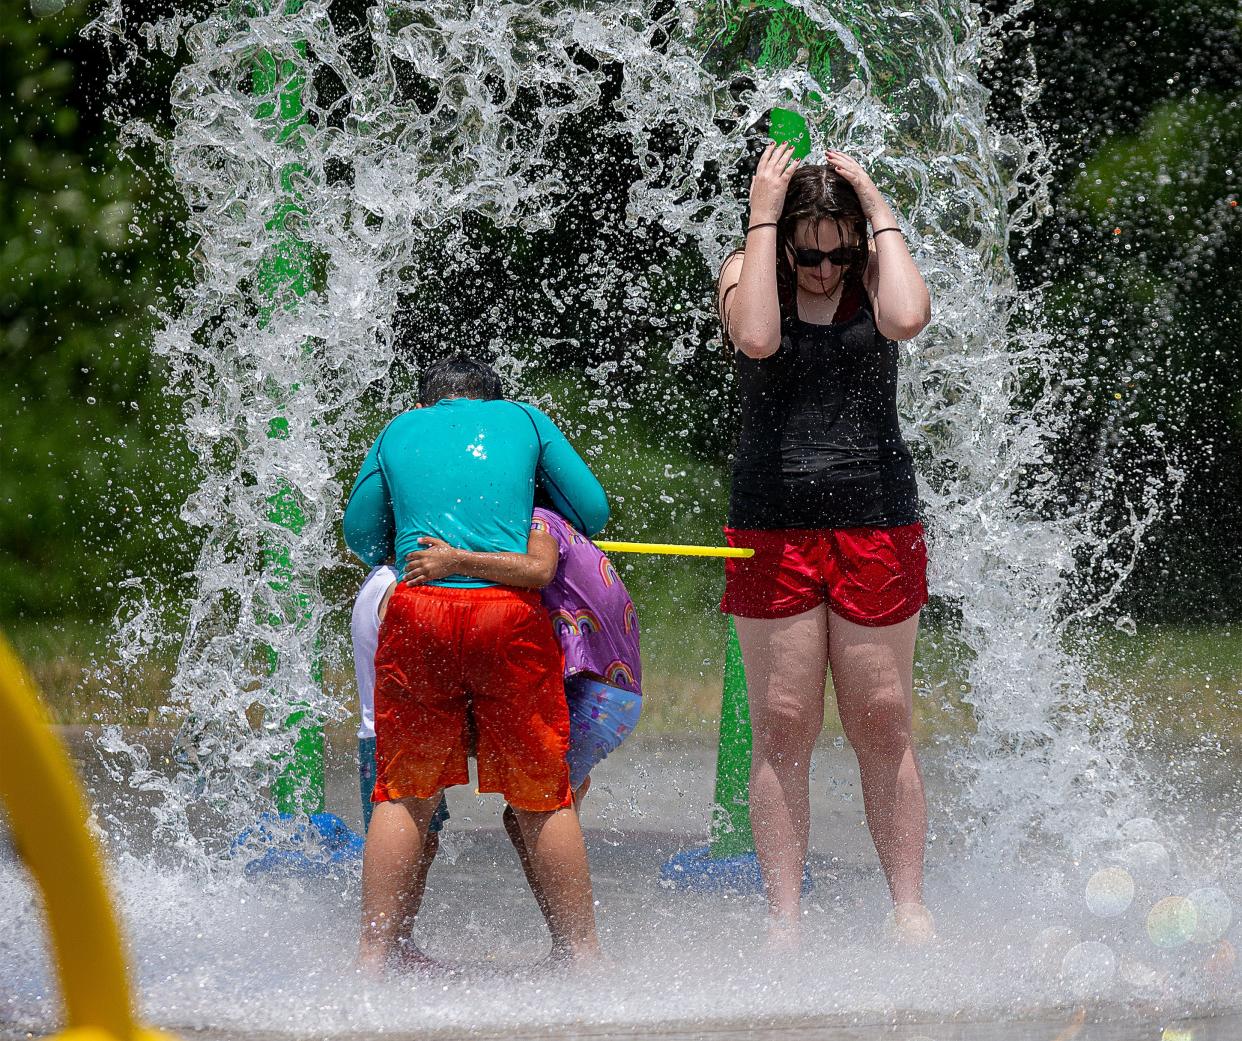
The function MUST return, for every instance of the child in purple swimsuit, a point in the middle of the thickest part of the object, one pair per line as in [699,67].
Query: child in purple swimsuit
[593,618]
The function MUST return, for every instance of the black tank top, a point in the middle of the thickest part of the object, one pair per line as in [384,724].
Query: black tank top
[820,444]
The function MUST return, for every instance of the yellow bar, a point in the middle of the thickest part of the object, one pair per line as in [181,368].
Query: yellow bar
[673,550]
[47,816]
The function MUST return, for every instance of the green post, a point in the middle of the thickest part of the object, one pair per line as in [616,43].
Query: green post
[284,276]
[731,834]
[787,36]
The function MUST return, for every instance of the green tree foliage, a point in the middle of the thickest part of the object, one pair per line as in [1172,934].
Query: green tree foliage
[1138,101]
[84,471]
[1166,197]
[1141,104]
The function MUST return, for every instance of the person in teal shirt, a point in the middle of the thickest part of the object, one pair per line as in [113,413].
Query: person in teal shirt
[464,661]
[462,468]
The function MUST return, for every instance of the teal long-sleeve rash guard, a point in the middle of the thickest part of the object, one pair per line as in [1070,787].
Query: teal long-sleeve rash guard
[464,471]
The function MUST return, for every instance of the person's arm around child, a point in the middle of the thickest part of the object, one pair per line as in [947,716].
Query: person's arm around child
[533,569]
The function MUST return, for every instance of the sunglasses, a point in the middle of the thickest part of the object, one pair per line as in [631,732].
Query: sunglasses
[841,256]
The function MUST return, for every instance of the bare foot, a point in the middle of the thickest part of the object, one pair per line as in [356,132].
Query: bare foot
[911,925]
[784,935]
[563,957]
[370,967]
[372,960]
[585,956]
[409,958]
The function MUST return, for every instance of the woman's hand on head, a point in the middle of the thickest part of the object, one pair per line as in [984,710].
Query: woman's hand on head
[437,561]
[771,181]
[864,187]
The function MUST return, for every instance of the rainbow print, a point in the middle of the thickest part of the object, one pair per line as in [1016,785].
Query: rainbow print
[607,572]
[576,623]
[631,618]
[620,675]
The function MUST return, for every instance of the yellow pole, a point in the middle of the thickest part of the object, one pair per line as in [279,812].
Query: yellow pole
[47,817]
[674,550]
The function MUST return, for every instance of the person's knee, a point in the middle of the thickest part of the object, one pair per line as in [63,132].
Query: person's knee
[531,822]
[785,728]
[882,730]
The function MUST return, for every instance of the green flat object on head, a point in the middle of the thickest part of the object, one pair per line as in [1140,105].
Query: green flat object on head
[788,127]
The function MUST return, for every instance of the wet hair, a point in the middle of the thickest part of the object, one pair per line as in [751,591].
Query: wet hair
[458,376]
[816,194]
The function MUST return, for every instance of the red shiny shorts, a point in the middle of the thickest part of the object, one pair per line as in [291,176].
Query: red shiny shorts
[869,576]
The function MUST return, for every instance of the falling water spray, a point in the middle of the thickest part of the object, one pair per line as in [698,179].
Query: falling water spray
[425,119]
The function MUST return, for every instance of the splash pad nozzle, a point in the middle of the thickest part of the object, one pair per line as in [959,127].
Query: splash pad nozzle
[321,845]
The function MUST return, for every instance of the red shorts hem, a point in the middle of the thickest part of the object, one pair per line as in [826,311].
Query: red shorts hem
[902,614]
[767,611]
[771,614]
[394,792]
[548,805]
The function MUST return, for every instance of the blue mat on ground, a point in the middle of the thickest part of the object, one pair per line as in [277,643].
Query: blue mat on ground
[698,871]
[318,846]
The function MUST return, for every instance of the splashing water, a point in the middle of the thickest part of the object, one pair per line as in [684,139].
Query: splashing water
[432,118]
[435,192]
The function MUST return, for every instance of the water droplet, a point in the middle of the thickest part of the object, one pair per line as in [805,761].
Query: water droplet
[1220,964]
[1110,892]
[1089,967]
[1213,911]
[1141,829]
[1049,948]
[1171,922]
[1138,974]
[1147,861]
[46,8]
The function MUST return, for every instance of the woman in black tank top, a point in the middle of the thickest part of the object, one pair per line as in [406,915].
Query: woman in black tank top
[824,490]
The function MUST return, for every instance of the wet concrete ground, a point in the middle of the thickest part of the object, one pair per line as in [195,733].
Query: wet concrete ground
[691,965]
[647,787]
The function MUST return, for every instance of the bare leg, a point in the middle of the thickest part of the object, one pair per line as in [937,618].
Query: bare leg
[392,877]
[872,670]
[786,666]
[519,844]
[413,896]
[558,870]
[409,956]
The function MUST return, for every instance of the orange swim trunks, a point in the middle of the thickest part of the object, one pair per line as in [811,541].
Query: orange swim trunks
[449,657]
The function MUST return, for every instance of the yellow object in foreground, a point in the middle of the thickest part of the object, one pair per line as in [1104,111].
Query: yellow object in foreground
[674,550]
[47,816]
